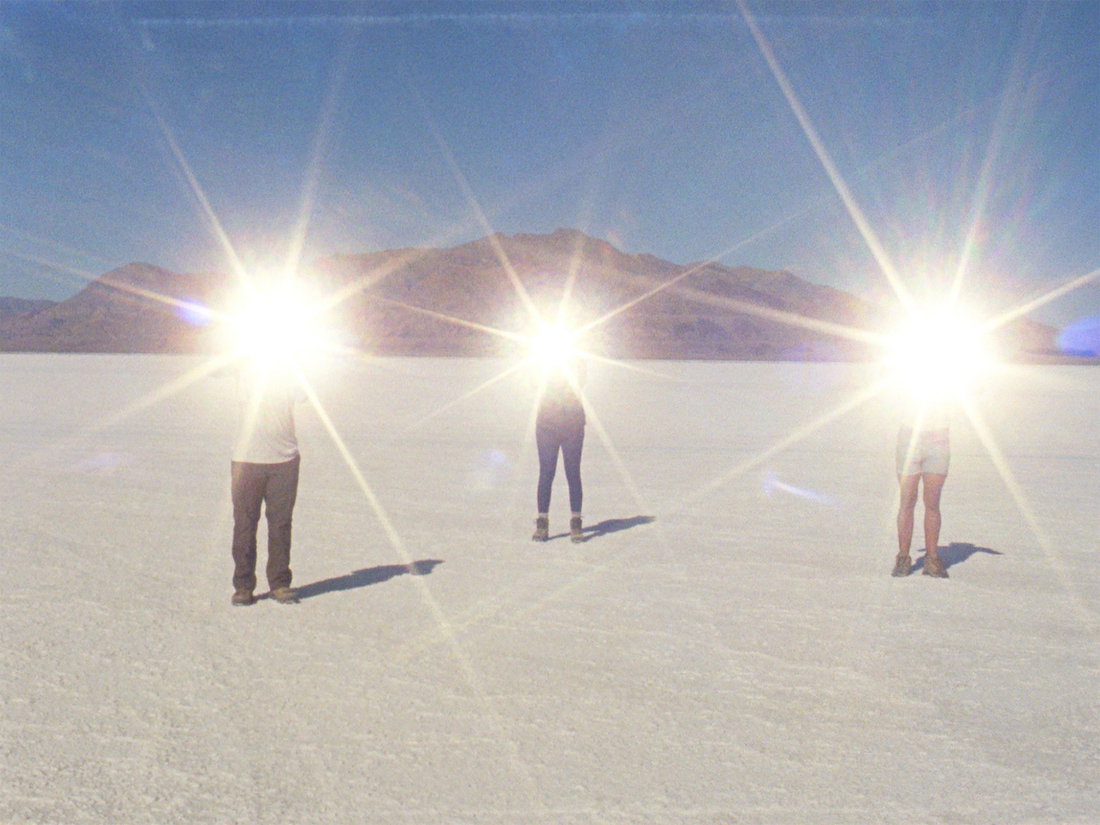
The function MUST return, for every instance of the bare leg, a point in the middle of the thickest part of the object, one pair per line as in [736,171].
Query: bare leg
[907,486]
[933,486]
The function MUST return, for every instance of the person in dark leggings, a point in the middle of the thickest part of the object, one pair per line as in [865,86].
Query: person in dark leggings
[559,427]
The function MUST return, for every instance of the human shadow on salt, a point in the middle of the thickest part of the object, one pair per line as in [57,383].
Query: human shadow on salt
[611,525]
[956,553]
[366,577]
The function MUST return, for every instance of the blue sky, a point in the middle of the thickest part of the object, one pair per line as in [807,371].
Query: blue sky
[966,136]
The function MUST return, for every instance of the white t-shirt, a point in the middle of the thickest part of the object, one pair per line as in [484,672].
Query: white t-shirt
[923,409]
[265,417]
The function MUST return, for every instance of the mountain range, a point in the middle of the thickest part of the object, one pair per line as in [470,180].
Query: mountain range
[450,301]
[10,307]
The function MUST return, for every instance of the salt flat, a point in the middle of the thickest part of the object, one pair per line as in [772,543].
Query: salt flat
[727,647]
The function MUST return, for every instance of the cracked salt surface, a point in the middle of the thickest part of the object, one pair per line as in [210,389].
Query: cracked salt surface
[732,655]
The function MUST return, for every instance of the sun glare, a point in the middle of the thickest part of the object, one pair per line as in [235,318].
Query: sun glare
[276,326]
[552,345]
[938,352]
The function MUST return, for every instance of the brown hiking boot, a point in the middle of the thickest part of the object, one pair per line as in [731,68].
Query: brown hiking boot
[933,567]
[576,534]
[284,595]
[542,529]
[902,566]
[242,598]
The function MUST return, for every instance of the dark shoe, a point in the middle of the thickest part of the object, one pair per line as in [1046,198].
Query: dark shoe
[934,567]
[242,598]
[542,529]
[902,566]
[284,595]
[576,534]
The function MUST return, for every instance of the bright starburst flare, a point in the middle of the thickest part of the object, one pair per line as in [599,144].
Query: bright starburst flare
[939,352]
[937,361]
[555,352]
[942,357]
[275,328]
[278,326]
[553,345]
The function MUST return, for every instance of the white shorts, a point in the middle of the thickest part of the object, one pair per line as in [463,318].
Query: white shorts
[928,452]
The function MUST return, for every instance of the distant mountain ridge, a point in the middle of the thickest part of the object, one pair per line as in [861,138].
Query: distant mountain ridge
[444,301]
[21,306]
[128,310]
[696,317]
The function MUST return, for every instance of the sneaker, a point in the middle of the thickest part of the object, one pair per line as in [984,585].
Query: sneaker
[576,535]
[934,567]
[902,566]
[242,598]
[542,529]
[284,595]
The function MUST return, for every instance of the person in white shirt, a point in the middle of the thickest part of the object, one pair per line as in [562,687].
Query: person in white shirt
[264,472]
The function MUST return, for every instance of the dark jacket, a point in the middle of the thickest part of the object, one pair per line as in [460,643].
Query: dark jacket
[560,406]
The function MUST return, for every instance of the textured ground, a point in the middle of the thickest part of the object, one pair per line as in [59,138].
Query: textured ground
[727,647]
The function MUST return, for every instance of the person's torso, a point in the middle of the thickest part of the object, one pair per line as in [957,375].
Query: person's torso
[265,420]
[924,411]
[560,405]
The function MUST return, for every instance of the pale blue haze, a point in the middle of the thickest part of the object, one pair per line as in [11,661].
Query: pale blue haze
[964,131]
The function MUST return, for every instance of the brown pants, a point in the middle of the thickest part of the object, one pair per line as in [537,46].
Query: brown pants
[273,485]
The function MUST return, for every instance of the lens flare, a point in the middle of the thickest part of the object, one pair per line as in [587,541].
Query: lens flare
[939,352]
[278,326]
[553,345]
[1081,338]
[195,313]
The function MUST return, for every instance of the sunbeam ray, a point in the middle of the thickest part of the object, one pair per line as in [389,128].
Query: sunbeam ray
[571,275]
[479,213]
[82,276]
[1004,470]
[158,297]
[700,296]
[792,438]
[609,446]
[645,296]
[1041,301]
[464,397]
[624,365]
[394,538]
[376,505]
[826,160]
[313,170]
[208,367]
[200,195]
[451,319]
[443,624]
[789,318]
[344,293]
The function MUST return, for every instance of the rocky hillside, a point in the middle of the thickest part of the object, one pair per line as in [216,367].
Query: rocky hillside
[446,301]
[11,307]
[137,308]
[438,301]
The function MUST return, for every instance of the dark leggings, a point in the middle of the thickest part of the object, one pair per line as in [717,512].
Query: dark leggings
[570,442]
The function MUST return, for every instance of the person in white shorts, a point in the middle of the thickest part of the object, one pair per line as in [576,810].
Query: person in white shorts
[923,456]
